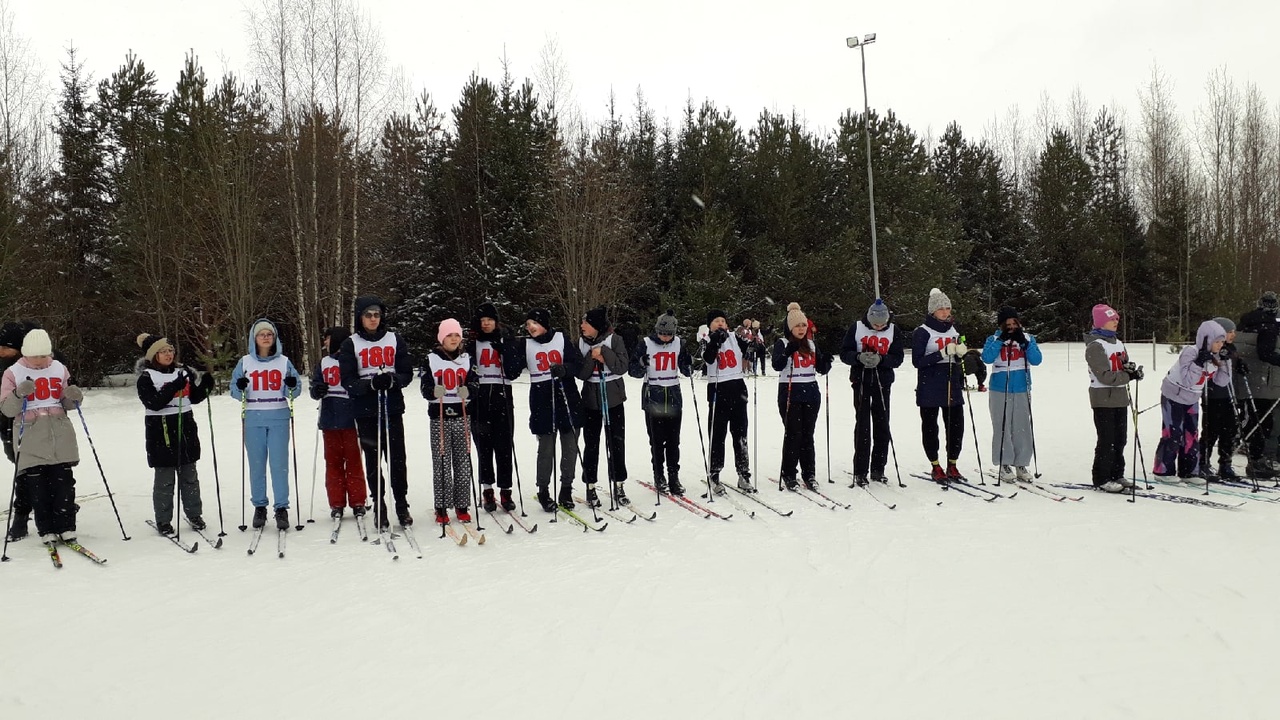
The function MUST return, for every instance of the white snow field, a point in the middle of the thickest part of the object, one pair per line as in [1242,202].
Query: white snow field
[1020,608]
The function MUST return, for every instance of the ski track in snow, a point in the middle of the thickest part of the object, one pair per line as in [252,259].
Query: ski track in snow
[1020,608]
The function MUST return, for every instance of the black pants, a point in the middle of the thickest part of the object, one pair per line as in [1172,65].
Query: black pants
[53,497]
[616,437]
[1258,440]
[1220,428]
[22,498]
[1112,425]
[664,443]
[727,403]
[953,425]
[492,436]
[871,431]
[799,421]
[392,445]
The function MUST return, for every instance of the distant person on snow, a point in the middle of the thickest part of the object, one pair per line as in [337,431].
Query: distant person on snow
[873,350]
[936,353]
[1110,372]
[1178,453]
[1011,353]
[265,382]
[799,361]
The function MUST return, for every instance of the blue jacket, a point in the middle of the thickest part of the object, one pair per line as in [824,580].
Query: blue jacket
[939,377]
[1017,381]
[258,418]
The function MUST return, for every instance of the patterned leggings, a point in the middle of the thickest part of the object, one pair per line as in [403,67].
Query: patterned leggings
[451,463]
[1179,448]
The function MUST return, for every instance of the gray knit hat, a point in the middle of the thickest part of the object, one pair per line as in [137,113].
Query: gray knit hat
[878,313]
[666,324]
[1227,325]
[938,300]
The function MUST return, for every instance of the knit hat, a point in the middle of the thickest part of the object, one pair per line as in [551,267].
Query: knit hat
[755,324]
[540,316]
[152,345]
[11,334]
[878,313]
[717,313]
[260,326]
[597,319]
[337,335]
[1268,301]
[1227,324]
[37,344]
[795,316]
[666,324]
[448,327]
[1006,313]
[486,310]
[1103,314]
[938,300]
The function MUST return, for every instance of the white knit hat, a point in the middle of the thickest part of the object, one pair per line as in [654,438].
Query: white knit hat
[795,316]
[37,344]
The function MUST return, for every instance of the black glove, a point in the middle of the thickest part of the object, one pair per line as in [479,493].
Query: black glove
[206,380]
[792,348]
[1134,371]
[559,371]
[1241,367]
[644,359]
[242,384]
[496,343]
[319,390]
[1205,355]
[291,381]
[719,337]
[1006,336]
[177,383]
[383,381]
[1019,337]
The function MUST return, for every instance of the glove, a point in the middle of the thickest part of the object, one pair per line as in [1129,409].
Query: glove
[177,383]
[206,380]
[291,381]
[496,343]
[438,391]
[383,381]
[242,384]
[644,359]
[25,388]
[72,393]
[1019,337]
[869,359]
[1241,367]
[559,371]
[1205,355]
[1134,371]
[793,347]
[956,349]
[464,392]
[720,336]
[319,390]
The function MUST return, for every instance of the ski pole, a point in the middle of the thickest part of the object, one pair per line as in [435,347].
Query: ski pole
[977,450]
[13,493]
[471,476]
[293,442]
[177,476]
[511,427]
[697,414]
[244,399]
[608,456]
[1004,415]
[1031,420]
[111,497]
[827,391]
[315,452]
[884,406]
[217,482]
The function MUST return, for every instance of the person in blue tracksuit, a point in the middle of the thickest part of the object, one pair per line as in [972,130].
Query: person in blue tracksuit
[1011,352]
[265,382]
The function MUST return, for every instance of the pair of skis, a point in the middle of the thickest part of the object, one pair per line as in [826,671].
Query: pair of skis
[468,532]
[74,546]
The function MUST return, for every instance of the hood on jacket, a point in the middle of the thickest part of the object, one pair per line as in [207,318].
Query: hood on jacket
[337,336]
[366,302]
[1211,332]
[253,346]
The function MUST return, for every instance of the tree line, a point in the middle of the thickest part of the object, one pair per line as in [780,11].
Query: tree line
[193,210]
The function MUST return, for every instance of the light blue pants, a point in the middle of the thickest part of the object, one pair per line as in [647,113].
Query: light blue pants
[268,440]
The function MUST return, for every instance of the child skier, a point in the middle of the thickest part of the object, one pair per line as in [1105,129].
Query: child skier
[1011,351]
[605,360]
[1220,410]
[1179,448]
[936,352]
[492,413]
[446,387]
[799,361]
[1110,373]
[168,391]
[11,336]
[554,405]
[343,474]
[872,349]
[727,400]
[661,360]
[265,382]
[37,393]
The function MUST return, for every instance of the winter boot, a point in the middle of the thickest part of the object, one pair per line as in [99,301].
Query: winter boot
[1126,483]
[744,484]
[620,495]
[544,499]
[860,480]
[488,501]
[566,495]
[937,474]
[406,520]
[442,516]
[791,483]
[164,528]
[1024,474]
[504,499]
[1226,472]
[196,521]
[18,528]
[259,517]
[358,511]
[879,476]
[464,515]
[1006,473]
[811,484]
[1111,486]
[1259,468]
[282,518]
[716,487]
[674,486]
[67,537]
[593,498]
[660,484]
[336,513]
[953,473]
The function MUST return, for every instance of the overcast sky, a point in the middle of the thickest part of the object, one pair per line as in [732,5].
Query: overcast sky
[934,60]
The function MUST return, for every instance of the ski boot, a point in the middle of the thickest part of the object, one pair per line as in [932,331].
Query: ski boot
[1023,473]
[860,480]
[811,484]
[544,499]
[1111,486]
[620,495]
[566,495]
[938,475]
[358,511]
[164,528]
[196,521]
[488,501]
[18,528]
[464,515]
[1006,473]
[282,518]
[336,513]
[674,486]
[1226,472]
[790,483]
[593,498]
[1260,469]
[406,520]
[744,483]
[953,473]
[504,499]
[442,516]
[259,517]
[660,484]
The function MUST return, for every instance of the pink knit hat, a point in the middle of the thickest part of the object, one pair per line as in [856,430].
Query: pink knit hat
[448,327]
[1103,314]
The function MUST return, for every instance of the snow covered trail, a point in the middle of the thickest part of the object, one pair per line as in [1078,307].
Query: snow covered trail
[1013,609]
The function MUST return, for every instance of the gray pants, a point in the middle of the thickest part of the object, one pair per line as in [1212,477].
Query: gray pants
[1016,423]
[568,457]
[162,496]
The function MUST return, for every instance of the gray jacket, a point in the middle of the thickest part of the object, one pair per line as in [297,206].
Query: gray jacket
[1116,393]
[1263,378]
[616,360]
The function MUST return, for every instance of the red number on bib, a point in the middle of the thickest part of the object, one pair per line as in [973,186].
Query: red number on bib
[378,356]
[332,376]
[1010,354]
[547,359]
[451,378]
[944,342]
[875,344]
[266,380]
[727,359]
[664,361]
[490,358]
[47,389]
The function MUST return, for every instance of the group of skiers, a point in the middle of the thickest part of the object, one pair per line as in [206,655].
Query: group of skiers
[467,384]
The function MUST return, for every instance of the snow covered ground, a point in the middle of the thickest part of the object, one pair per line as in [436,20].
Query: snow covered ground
[1021,608]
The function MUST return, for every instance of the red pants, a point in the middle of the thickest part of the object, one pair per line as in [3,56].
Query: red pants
[343,469]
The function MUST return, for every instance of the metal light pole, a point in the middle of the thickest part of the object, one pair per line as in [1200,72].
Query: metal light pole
[861,44]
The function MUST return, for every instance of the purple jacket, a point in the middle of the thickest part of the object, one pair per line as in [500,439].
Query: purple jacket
[1186,380]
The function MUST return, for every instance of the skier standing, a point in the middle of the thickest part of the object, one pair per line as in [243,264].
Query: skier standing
[936,353]
[727,399]
[872,349]
[1011,352]
[1110,372]
[1220,424]
[1179,450]
[661,360]
[604,360]
[446,386]
[492,421]
[799,361]
[343,474]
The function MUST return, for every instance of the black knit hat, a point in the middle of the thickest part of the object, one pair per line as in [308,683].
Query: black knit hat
[597,318]
[11,334]
[1268,301]
[1005,313]
[152,344]
[337,336]
[486,310]
[716,313]
[541,316]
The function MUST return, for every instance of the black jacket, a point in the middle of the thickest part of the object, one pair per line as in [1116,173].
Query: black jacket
[890,360]
[551,399]
[172,440]
[364,399]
